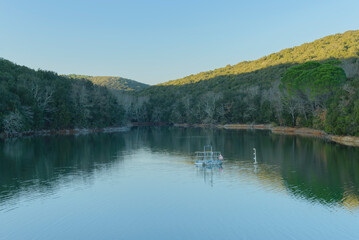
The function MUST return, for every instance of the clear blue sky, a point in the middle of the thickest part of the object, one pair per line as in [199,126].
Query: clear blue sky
[156,41]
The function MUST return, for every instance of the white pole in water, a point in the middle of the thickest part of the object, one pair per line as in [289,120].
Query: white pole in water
[255,155]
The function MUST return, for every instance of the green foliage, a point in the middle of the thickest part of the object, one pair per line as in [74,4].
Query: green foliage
[117,83]
[313,92]
[333,48]
[343,111]
[309,76]
[312,77]
[36,100]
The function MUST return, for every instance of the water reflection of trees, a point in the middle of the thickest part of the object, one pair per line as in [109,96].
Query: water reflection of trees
[323,171]
[307,168]
[310,168]
[38,163]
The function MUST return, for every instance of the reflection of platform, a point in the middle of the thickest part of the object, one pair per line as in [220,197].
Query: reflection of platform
[208,171]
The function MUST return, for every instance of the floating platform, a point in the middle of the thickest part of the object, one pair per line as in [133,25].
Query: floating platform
[208,157]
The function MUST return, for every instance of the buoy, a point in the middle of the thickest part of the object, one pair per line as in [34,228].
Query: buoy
[255,155]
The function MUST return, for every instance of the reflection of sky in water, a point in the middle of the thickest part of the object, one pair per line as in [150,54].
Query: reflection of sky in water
[142,185]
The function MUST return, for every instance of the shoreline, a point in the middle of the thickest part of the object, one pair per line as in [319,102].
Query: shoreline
[351,141]
[74,131]
[306,132]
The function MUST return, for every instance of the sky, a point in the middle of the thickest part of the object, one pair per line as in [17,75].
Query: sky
[160,40]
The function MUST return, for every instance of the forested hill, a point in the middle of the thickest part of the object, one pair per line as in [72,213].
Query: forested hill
[37,100]
[338,46]
[314,85]
[118,83]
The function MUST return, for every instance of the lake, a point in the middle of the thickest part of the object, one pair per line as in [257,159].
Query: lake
[142,184]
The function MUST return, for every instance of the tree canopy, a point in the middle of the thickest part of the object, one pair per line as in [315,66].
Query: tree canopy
[312,77]
[37,100]
[313,85]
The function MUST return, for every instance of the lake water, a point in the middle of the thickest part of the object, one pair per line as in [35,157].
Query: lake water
[142,184]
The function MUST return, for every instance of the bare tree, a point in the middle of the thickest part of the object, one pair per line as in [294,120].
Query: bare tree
[291,106]
[27,113]
[13,122]
[43,96]
[208,101]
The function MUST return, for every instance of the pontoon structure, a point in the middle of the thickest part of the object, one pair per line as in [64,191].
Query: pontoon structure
[208,157]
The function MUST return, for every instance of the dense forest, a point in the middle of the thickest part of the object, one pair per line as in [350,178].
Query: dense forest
[117,83]
[37,100]
[314,85]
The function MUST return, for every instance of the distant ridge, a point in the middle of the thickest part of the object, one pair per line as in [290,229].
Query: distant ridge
[118,83]
[338,46]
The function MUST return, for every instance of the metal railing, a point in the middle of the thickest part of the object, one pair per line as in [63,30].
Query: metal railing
[207,155]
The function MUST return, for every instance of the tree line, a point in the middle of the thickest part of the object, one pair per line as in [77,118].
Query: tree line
[37,100]
[314,85]
[313,94]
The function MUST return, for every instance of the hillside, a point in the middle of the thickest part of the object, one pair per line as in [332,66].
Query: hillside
[338,46]
[312,85]
[118,83]
[37,100]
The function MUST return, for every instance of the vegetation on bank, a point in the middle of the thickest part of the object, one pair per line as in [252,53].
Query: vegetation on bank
[117,83]
[287,88]
[37,100]
[315,85]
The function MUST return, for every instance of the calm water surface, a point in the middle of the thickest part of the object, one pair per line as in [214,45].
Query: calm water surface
[142,184]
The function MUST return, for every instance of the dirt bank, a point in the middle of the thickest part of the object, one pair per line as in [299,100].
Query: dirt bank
[346,140]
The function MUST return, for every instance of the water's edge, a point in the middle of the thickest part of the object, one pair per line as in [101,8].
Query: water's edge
[74,131]
[308,132]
